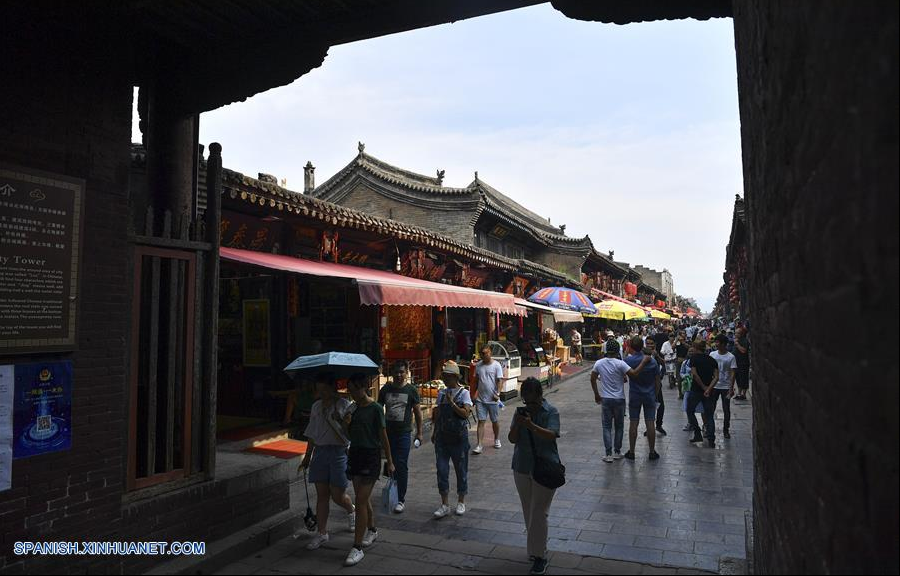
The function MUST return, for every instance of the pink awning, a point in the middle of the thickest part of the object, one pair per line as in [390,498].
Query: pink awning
[381,287]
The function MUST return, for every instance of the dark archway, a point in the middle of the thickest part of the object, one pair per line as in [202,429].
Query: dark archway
[818,87]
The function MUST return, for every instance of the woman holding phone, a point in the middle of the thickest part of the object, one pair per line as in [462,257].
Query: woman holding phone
[534,431]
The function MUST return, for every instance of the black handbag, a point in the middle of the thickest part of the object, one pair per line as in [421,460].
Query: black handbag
[547,473]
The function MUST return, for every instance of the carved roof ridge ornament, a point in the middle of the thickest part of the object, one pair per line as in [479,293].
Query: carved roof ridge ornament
[361,147]
[440,177]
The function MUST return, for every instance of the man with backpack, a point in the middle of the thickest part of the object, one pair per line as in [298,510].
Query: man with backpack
[450,436]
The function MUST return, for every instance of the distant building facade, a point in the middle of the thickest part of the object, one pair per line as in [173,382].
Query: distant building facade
[660,280]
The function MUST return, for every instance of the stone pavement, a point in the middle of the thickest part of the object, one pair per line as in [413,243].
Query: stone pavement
[684,511]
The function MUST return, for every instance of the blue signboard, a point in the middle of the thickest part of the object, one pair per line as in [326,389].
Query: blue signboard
[42,421]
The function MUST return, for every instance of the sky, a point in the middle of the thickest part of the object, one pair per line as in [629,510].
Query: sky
[630,134]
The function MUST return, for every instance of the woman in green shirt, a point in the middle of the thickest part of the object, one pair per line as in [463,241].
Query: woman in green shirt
[368,437]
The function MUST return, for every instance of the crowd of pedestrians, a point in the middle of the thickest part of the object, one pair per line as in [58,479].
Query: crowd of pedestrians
[348,440]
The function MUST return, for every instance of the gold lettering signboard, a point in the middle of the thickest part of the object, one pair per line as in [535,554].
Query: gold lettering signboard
[40,236]
[257,343]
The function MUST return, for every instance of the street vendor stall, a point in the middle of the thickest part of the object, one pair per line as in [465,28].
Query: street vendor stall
[507,354]
[534,363]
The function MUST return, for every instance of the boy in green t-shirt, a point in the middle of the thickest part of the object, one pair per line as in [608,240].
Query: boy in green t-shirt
[401,402]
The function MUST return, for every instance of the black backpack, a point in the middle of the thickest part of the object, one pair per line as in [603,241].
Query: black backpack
[452,428]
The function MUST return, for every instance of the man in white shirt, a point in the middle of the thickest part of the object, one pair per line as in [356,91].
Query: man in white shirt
[613,372]
[669,355]
[489,373]
[724,388]
[576,345]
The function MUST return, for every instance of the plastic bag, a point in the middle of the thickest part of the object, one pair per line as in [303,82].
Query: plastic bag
[389,496]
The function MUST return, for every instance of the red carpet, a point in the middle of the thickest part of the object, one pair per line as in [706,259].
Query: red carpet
[245,433]
[570,369]
[281,449]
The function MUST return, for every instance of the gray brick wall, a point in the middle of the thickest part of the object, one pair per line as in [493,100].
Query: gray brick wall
[78,124]
[565,263]
[60,117]
[819,90]
[454,224]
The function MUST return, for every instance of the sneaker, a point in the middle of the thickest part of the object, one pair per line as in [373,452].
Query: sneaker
[539,566]
[442,511]
[727,435]
[317,541]
[460,509]
[654,455]
[351,520]
[687,428]
[617,455]
[629,455]
[497,444]
[697,438]
[711,443]
[398,509]
[661,432]
[355,557]
[369,537]
[478,449]
[608,458]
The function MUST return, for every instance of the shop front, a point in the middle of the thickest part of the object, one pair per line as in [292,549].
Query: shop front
[275,308]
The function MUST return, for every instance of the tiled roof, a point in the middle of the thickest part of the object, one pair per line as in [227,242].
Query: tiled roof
[389,173]
[498,199]
[266,194]
[275,197]
[430,189]
[609,261]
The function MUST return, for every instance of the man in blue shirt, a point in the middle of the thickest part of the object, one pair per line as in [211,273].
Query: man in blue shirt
[642,392]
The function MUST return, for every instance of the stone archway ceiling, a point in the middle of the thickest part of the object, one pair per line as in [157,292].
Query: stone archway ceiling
[213,53]
[630,11]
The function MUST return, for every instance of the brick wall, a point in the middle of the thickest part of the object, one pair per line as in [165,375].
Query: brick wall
[819,119]
[566,263]
[456,224]
[78,124]
[63,115]
[205,512]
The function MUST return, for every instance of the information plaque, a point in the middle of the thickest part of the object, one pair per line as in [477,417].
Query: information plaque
[40,235]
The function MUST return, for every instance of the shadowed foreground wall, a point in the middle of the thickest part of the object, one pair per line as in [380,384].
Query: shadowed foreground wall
[819,124]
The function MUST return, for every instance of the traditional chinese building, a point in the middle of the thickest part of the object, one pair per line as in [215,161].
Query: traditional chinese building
[601,275]
[477,214]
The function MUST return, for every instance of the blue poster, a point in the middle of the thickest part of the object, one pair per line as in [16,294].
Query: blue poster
[42,421]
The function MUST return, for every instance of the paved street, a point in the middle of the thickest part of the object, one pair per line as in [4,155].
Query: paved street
[683,511]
